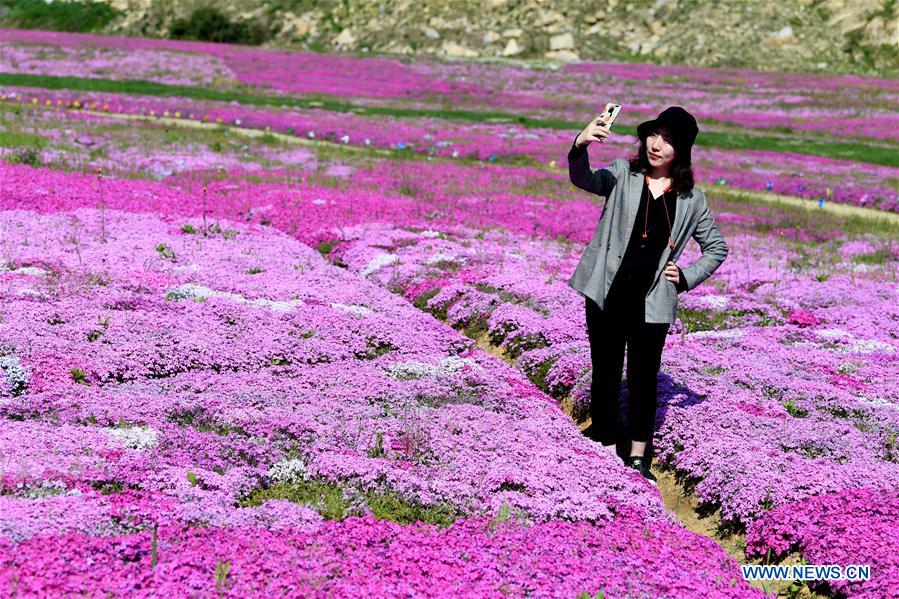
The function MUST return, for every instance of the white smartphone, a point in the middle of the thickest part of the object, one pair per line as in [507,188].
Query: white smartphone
[610,113]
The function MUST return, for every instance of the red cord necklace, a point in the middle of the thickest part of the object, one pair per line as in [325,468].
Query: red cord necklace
[664,209]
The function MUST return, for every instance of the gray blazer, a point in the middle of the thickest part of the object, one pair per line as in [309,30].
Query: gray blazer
[602,256]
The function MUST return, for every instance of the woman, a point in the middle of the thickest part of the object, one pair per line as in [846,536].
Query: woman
[629,273]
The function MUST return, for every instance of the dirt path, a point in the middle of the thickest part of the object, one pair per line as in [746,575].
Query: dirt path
[687,508]
[845,210]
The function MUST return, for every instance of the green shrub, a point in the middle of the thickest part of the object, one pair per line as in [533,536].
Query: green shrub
[75,16]
[209,24]
[329,501]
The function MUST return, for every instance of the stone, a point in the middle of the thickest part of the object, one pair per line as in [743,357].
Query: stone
[346,38]
[301,26]
[455,50]
[431,33]
[548,18]
[490,37]
[785,32]
[562,55]
[563,41]
[512,33]
[597,16]
[512,48]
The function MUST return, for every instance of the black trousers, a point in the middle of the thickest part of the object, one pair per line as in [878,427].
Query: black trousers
[619,325]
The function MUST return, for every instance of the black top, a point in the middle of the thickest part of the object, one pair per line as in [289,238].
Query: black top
[648,241]
[641,258]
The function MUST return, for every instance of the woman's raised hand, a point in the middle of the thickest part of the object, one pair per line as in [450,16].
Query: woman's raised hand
[596,130]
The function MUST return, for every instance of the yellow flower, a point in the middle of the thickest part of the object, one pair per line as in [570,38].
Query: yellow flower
[177,115]
[165,113]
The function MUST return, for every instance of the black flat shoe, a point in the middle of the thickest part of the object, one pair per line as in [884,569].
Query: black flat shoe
[636,462]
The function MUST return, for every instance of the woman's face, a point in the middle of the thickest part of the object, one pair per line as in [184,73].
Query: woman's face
[659,150]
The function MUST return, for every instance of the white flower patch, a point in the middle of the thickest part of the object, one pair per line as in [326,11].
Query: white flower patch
[191,291]
[453,364]
[31,270]
[714,301]
[288,471]
[867,346]
[137,437]
[878,402]
[430,233]
[47,488]
[378,262]
[15,374]
[725,334]
[440,257]
[353,309]
[834,334]
[413,369]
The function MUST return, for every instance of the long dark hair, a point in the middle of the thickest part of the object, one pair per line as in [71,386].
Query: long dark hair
[681,171]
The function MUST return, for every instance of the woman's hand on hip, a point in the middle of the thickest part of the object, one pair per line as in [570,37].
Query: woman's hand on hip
[671,272]
[595,130]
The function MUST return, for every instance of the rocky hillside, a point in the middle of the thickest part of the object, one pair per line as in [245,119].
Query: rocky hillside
[857,36]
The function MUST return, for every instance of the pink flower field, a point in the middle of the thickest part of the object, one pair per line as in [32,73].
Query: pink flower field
[327,348]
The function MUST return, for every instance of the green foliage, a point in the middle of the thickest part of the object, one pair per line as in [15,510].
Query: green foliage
[108,487]
[255,270]
[280,360]
[221,576]
[165,252]
[329,500]
[891,452]
[522,343]
[538,375]
[209,24]
[79,376]
[378,450]
[188,229]
[421,302]
[882,255]
[99,332]
[193,479]
[71,15]
[794,410]
[375,348]
[30,156]
[476,326]
[324,248]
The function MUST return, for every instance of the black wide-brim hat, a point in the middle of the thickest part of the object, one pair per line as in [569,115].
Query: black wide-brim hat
[679,123]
